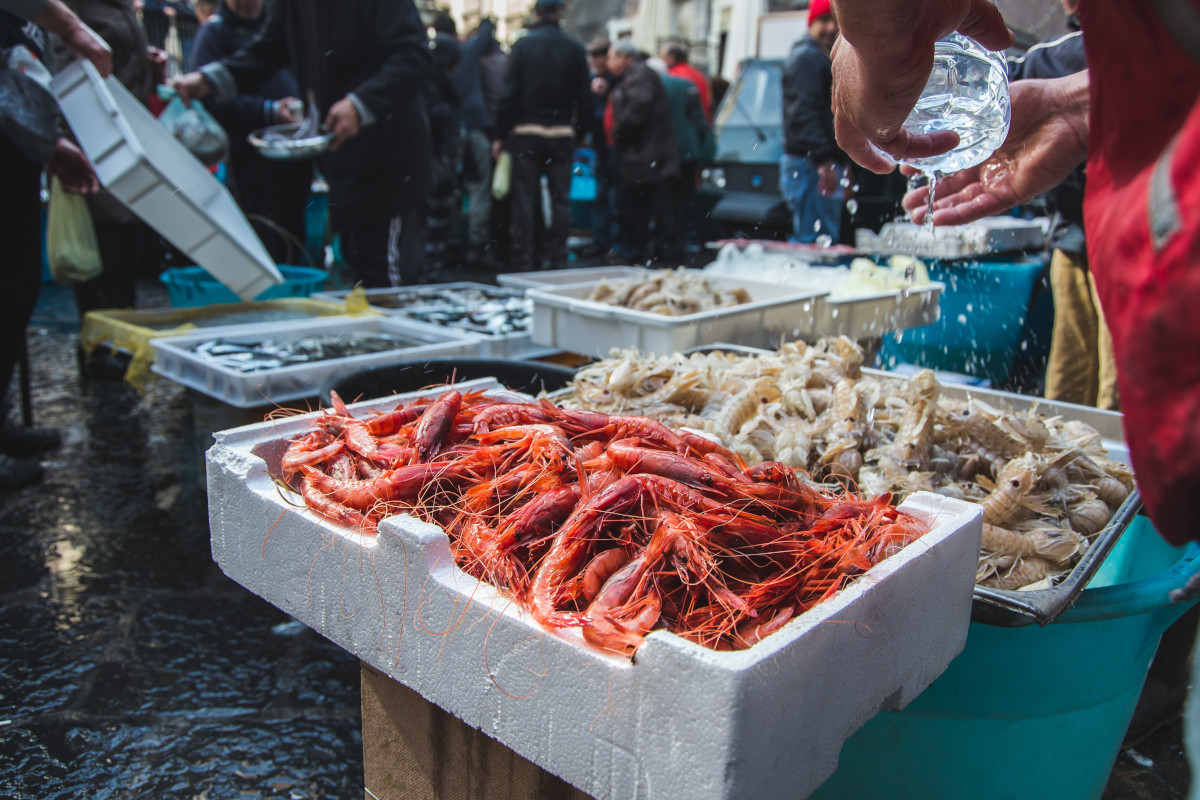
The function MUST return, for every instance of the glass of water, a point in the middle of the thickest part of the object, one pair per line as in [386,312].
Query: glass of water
[967,93]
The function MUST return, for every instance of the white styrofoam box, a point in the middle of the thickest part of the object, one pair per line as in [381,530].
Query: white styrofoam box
[155,176]
[679,720]
[562,318]
[999,234]
[868,316]
[550,278]
[174,359]
[518,344]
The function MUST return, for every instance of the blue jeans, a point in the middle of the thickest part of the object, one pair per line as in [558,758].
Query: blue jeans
[812,214]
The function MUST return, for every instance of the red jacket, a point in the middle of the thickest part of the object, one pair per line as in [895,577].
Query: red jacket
[1142,218]
[690,73]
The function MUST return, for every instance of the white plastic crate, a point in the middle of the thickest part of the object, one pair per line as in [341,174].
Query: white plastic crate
[155,176]
[174,359]
[680,720]
[869,316]
[502,345]
[562,318]
[548,279]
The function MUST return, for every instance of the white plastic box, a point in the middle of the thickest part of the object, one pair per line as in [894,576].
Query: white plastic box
[678,721]
[562,318]
[548,279]
[174,359]
[504,345]
[155,176]
[869,316]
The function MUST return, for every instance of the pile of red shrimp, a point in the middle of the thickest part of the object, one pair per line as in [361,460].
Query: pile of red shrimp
[615,525]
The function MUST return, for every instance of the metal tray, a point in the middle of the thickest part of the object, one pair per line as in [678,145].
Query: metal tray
[278,143]
[1015,609]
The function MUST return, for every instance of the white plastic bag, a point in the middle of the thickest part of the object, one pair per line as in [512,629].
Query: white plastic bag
[196,130]
[71,246]
[502,177]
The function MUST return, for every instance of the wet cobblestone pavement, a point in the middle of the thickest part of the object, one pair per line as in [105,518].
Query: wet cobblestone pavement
[130,667]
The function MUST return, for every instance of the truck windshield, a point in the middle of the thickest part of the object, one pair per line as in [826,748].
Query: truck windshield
[749,122]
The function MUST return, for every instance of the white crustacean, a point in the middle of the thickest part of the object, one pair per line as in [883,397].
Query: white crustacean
[1023,573]
[745,404]
[1057,545]
[1089,514]
[914,437]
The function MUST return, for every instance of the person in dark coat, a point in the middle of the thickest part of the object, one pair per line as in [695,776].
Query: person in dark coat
[273,190]
[365,61]
[125,242]
[694,142]
[812,167]
[442,105]
[545,109]
[477,123]
[638,121]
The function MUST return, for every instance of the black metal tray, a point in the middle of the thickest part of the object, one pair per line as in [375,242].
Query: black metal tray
[1012,609]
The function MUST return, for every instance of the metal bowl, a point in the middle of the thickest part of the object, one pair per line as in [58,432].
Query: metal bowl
[279,143]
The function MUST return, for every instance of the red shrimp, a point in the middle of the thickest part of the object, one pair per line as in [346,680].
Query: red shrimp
[630,456]
[754,631]
[393,421]
[332,509]
[726,466]
[628,605]
[593,424]
[600,569]
[434,424]
[502,415]
[402,483]
[308,452]
[703,446]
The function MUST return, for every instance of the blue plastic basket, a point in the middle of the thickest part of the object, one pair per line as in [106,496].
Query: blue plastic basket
[189,287]
[1029,712]
[983,313]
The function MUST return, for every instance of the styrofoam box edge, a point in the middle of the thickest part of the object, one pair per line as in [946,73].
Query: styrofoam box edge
[680,721]
[174,360]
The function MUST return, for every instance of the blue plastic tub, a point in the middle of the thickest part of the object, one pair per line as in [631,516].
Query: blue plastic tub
[1029,712]
[983,313]
[189,287]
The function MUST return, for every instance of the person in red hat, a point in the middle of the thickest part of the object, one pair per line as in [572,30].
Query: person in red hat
[812,167]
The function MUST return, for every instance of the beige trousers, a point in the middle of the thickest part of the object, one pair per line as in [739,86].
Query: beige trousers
[1081,368]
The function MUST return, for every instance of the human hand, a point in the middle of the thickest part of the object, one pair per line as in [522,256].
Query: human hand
[193,84]
[599,85]
[342,120]
[828,180]
[881,63]
[497,149]
[72,168]
[86,43]
[288,109]
[1048,138]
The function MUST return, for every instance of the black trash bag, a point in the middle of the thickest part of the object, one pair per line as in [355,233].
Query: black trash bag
[29,114]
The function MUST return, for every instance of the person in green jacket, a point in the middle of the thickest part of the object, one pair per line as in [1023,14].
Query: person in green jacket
[695,142]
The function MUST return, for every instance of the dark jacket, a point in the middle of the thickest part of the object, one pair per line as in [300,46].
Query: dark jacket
[1057,58]
[467,81]
[807,103]
[642,127]
[222,36]
[118,25]
[694,137]
[376,49]
[546,82]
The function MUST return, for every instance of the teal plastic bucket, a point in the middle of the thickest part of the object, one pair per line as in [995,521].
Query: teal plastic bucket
[1029,712]
[189,287]
[983,313]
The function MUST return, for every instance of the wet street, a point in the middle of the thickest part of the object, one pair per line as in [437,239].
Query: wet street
[131,667]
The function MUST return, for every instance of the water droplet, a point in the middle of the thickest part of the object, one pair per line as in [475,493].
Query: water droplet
[970,306]
[962,319]
[817,225]
[852,206]
[824,240]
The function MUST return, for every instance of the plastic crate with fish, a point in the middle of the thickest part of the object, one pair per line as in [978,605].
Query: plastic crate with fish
[277,363]
[747,312]
[679,720]
[500,316]
[552,278]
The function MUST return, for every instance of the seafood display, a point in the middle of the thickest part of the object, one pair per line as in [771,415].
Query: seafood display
[243,356]
[1046,484]
[616,525]
[673,292]
[861,278]
[478,309]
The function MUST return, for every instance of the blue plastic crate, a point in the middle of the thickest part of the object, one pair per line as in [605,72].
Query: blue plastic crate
[983,314]
[189,287]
